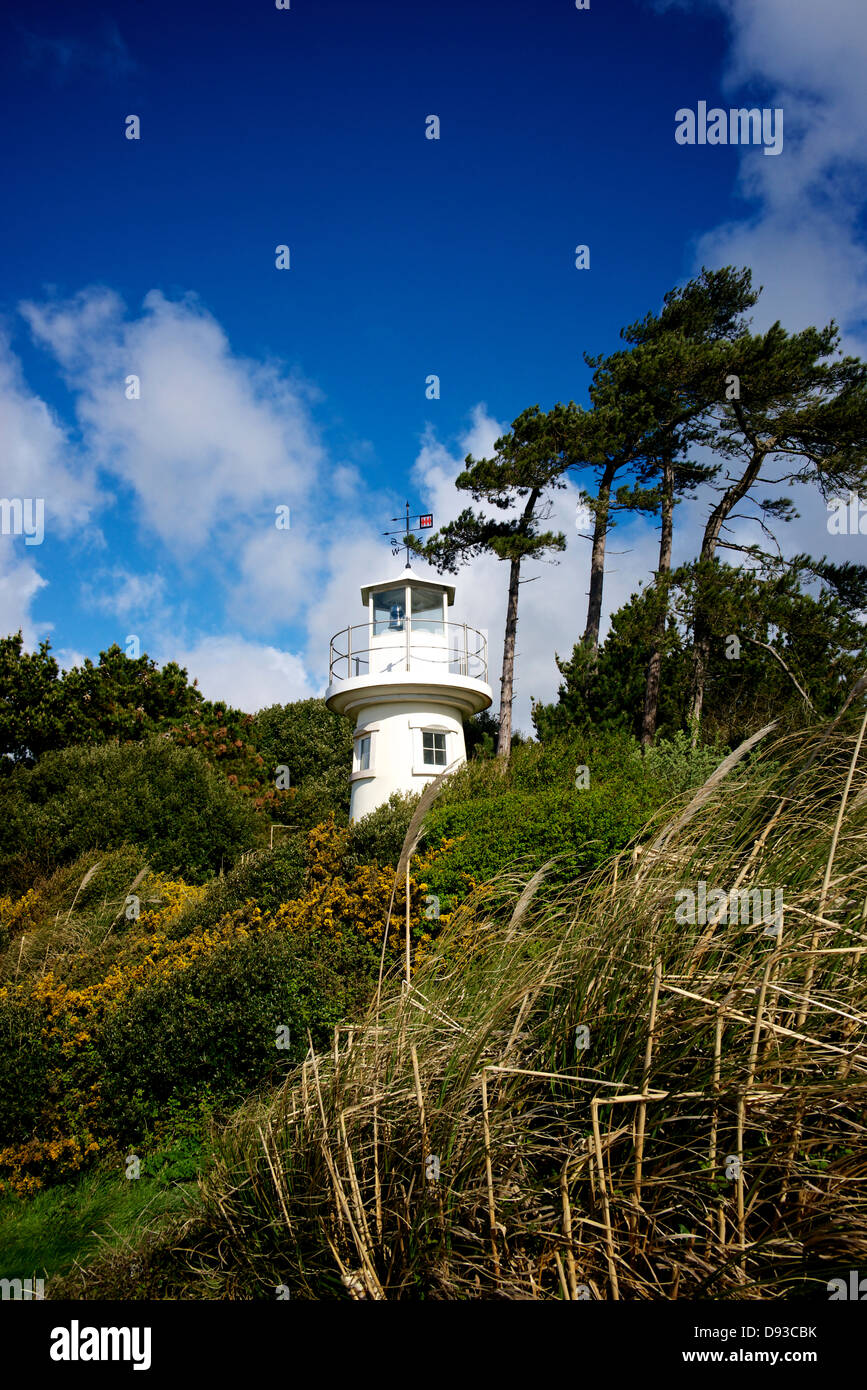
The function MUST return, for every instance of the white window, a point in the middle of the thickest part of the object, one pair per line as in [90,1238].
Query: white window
[362,754]
[433,746]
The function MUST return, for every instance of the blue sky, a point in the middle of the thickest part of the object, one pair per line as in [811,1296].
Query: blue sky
[409,257]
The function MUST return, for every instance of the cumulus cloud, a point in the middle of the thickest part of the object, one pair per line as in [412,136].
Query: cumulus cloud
[40,458]
[802,233]
[247,675]
[40,463]
[214,439]
[20,582]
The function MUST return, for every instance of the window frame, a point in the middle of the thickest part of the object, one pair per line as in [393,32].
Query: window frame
[434,735]
[358,773]
[419,728]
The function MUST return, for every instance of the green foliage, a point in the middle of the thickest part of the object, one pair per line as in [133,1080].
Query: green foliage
[378,838]
[164,799]
[212,1028]
[480,735]
[677,766]
[316,799]
[789,636]
[315,744]
[28,1061]
[119,698]
[267,877]
[532,811]
[305,736]
[44,1235]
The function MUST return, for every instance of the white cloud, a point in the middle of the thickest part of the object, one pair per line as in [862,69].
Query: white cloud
[214,440]
[802,235]
[124,594]
[247,675]
[39,458]
[20,582]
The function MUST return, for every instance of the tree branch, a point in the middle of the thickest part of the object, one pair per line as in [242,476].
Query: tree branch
[793,678]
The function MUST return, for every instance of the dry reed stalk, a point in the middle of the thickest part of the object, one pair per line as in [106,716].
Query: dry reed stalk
[562,1276]
[377,1185]
[524,901]
[353,1182]
[304,1093]
[408,970]
[775,1028]
[368,1270]
[20,949]
[425,1141]
[773,960]
[645,1078]
[83,884]
[274,1178]
[489,1175]
[567,1229]
[808,979]
[132,887]
[714,1124]
[742,1234]
[606,1210]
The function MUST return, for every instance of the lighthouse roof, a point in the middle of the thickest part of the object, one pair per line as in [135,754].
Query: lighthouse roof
[407,576]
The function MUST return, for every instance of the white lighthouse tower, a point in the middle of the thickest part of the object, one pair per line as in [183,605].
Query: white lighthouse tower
[409,677]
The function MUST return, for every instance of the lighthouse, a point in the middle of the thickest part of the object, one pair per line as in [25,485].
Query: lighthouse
[408,676]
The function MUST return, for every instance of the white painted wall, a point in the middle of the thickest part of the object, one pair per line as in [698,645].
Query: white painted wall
[396,749]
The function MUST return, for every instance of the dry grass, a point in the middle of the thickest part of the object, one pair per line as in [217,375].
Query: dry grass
[709,1141]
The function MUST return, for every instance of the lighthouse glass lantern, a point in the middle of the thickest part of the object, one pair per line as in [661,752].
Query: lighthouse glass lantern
[408,676]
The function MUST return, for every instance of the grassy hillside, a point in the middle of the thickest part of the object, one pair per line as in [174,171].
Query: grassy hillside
[584,1094]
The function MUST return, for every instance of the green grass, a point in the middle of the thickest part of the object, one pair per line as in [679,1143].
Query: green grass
[45,1234]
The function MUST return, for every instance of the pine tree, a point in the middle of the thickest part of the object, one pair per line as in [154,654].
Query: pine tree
[527,467]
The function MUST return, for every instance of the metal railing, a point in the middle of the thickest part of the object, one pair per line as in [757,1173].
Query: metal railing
[461,650]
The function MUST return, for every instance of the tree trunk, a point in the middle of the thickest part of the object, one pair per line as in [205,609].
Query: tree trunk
[507,680]
[654,666]
[504,738]
[597,559]
[701,645]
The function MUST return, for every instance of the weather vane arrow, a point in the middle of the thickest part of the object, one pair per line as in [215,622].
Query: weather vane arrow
[422,522]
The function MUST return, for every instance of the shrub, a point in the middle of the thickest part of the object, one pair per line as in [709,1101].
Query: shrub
[211,1029]
[165,799]
[306,736]
[677,766]
[378,837]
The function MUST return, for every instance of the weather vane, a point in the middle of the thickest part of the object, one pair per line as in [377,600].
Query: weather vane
[422,521]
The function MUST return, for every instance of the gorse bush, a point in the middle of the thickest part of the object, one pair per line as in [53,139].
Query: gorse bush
[166,800]
[109,1020]
[236,1020]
